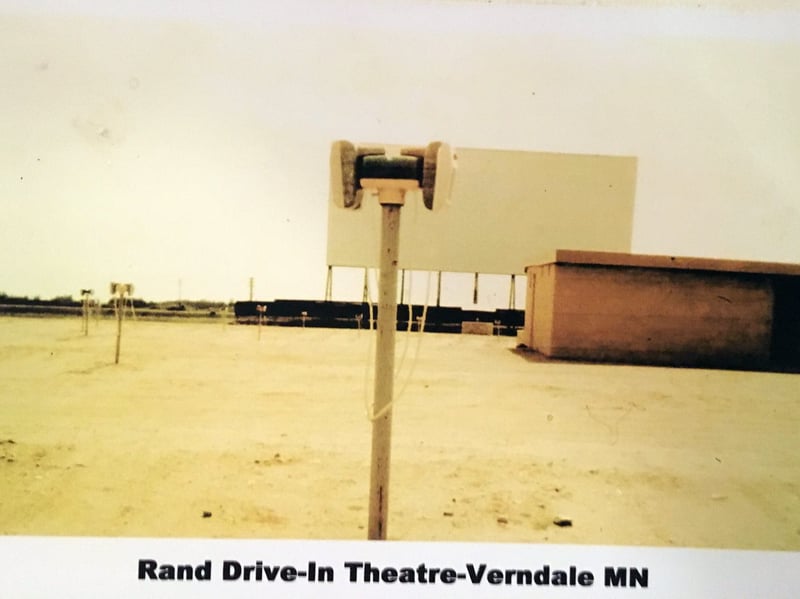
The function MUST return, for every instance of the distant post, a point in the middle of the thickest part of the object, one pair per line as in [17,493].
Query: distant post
[261,309]
[119,292]
[329,284]
[86,304]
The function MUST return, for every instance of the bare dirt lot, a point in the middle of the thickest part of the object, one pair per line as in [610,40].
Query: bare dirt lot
[205,430]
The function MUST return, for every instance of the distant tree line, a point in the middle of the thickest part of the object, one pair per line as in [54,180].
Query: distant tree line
[17,300]
[69,301]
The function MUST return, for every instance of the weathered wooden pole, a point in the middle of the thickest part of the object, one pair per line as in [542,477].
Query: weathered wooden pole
[118,292]
[329,284]
[261,309]
[384,365]
[120,308]
[86,294]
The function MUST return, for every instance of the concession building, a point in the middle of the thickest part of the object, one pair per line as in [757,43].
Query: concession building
[668,310]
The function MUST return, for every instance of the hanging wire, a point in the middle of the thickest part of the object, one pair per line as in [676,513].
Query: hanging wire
[370,348]
[374,416]
[399,366]
[133,310]
[415,358]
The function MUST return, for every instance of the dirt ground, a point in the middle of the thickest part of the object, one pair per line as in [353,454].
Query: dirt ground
[205,430]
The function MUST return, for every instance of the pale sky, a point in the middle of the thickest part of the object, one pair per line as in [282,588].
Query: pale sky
[158,143]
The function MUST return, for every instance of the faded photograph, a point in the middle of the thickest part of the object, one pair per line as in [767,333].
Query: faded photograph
[462,271]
